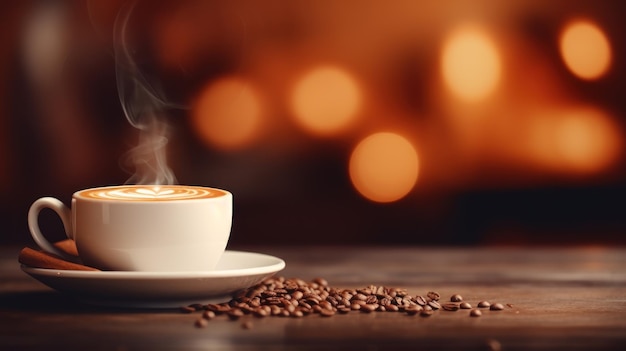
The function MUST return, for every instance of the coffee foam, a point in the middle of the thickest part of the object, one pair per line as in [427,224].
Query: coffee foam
[150,193]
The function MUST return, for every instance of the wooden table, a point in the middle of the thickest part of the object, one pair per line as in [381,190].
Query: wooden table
[563,299]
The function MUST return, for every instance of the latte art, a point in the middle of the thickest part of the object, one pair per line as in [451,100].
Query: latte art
[151,193]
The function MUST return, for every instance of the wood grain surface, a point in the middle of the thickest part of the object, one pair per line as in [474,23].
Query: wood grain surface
[561,299]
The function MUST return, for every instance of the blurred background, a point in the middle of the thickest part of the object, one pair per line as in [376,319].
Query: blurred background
[456,122]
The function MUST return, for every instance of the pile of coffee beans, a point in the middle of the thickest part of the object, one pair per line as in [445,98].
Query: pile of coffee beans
[297,298]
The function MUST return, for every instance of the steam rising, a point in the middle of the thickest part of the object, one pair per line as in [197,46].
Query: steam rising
[144,106]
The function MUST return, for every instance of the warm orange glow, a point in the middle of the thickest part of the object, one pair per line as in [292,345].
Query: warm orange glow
[227,113]
[325,100]
[585,49]
[384,167]
[581,140]
[470,64]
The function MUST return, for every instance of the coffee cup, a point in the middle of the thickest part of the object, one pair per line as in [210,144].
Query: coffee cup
[167,228]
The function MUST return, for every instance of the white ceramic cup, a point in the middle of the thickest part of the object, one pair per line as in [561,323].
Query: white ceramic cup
[169,228]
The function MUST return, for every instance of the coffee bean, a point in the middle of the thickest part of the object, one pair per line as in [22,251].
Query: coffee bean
[401,292]
[420,300]
[306,311]
[359,302]
[274,310]
[369,307]
[187,309]
[450,306]
[433,295]
[496,307]
[392,308]
[364,291]
[274,300]
[465,305]
[260,312]
[434,304]
[313,301]
[212,307]
[326,305]
[413,310]
[484,304]
[297,314]
[360,297]
[247,325]
[197,306]
[201,323]
[371,299]
[327,313]
[320,281]
[235,314]
[296,298]
[343,310]
[456,298]
[223,309]
[332,300]
[268,293]
[475,313]
[286,303]
[245,308]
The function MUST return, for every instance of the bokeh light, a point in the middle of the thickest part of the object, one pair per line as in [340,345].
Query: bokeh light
[582,140]
[227,113]
[325,100]
[470,64]
[384,167]
[585,49]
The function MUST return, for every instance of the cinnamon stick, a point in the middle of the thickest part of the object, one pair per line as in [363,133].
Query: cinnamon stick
[68,246]
[40,259]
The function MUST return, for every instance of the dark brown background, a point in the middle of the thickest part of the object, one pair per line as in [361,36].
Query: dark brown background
[294,188]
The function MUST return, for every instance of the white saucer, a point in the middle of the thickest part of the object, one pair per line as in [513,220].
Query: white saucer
[236,270]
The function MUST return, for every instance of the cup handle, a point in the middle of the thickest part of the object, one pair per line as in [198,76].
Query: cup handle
[33,223]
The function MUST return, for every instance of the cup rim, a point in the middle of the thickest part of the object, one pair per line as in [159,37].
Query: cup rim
[79,194]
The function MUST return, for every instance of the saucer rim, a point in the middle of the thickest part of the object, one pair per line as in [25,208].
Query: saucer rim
[277,265]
